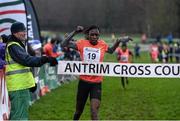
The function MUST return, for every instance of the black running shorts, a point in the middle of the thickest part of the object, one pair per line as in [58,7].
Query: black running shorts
[87,88]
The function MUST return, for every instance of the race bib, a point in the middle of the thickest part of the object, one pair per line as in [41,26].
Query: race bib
[124,58]
[91,54]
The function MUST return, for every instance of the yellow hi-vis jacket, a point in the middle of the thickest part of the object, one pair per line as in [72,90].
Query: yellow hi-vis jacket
[18,77]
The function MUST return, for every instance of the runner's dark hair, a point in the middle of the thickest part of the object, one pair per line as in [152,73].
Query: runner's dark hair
[86,30]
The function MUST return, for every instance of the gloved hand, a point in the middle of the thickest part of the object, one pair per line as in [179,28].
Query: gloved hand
[125,39]
[52,61]
[33,89]
[79,29]
[44,59]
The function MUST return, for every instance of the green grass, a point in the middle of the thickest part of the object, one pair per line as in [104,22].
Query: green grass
[144,99]
[58,104]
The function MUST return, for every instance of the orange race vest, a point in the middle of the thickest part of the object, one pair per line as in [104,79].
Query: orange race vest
[124,56]
[91,53]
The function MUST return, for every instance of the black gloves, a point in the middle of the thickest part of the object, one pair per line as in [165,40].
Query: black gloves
[79,29]
[33,89]
[125,39]
[44,59]
[51,60]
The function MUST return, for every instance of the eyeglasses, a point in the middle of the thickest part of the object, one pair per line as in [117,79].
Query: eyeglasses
[94,34]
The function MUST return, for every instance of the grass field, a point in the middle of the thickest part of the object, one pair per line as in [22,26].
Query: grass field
[144,99]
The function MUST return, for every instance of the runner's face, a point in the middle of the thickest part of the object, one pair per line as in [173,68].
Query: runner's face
[124,48]
[94,36]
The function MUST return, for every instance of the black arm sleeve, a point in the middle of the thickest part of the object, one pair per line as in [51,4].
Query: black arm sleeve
[20,55]
[113,48]
[68,38]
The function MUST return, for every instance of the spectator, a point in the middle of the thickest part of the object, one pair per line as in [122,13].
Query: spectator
[171,52]
[177,52]
[170,38]
[158,38]
[48,48]
[2,55]
[165,53]
[19,78]
[143,38]
[137,50]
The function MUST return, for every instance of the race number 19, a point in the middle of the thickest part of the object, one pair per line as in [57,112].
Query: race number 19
[92,56]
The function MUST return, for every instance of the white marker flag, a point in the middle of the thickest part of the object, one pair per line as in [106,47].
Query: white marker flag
[4,98]
[119,70]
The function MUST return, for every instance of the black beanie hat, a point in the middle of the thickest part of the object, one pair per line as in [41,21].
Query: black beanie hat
[17,27]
